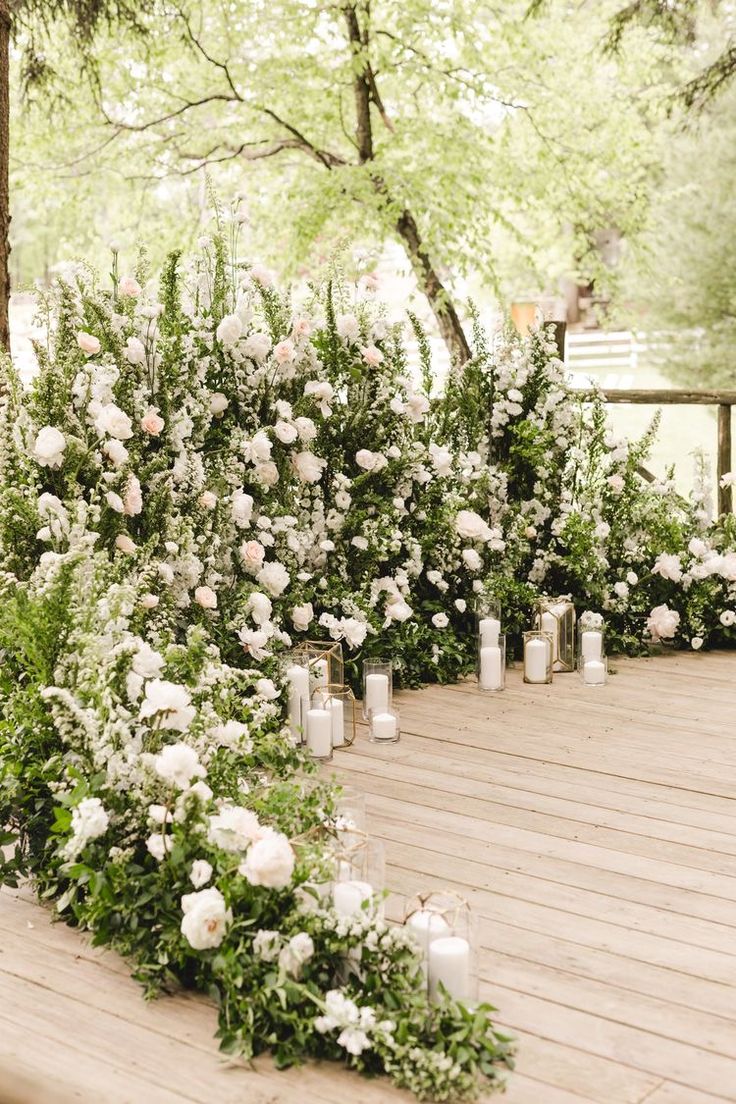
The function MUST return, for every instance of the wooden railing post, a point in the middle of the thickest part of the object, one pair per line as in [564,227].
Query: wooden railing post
[725,496]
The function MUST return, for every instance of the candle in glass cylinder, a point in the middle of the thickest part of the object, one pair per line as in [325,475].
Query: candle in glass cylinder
[337,714]
[427,926]
[383,726]
[320,672]
[449,963]
[489,628]
[591,644]
[594,672]
[490,667]
[536,657]
[348,897]
[376,693]
[319,733]
[298,678]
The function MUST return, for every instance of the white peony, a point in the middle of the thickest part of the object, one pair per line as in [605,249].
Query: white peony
[284,352]
[49,446]
[471,526]
[266,689]
[366,459]
[274,578]
[178,764]
[200,873]
[229,330]
[257,346]
[270,861]
[170,703]
[110,419]
[668,566]
[399,610]
[146,662]
[308,467]
[205,918]
[233,828]
[472,559]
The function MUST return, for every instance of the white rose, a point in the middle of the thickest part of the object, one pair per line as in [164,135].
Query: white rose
[360,542]
[133,500]
[663,622]
[668,566]
[208,500]
[110,419]
[200,873]
[270,861]
[123,543]
[233,828]
[308,467]
[286,432]
[267,473]
[461,605]
[267,690]
[135,351]
[284,352]
[48,449]
[169,702]
[621,589]
[616,483]
[399,610]
[129,286]
[159,845]
[696,643]
[306,429]
[242,509]
[274,578]
[218,403]
[147,662]
[471,526]
[229,330]
[266,945]
[259,606]
[440,620]
[116,452]
[472,559]
[149,601]
[366,459]
[115,502]
[302,616]
[728,618]
[441,459]
[205,597]
[205,918]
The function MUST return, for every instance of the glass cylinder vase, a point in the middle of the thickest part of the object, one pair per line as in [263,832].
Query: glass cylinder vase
[487,620]
[378,690]
[384,726]
[296,676]
[591,643]
[339,701]
[537,656]
[593,672]
[442,924]
[491,667]
[360,874]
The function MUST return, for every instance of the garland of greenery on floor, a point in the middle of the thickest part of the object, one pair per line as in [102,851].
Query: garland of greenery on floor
[204,473]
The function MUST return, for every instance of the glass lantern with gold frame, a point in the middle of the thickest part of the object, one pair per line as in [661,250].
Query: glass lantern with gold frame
[324,661]
[557,617]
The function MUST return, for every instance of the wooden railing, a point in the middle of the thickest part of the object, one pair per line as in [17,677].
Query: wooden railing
[724,400]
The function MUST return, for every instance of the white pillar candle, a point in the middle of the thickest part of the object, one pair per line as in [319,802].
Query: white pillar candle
[591,644]
[337,715]
[449,963]
[376,693]
[348,897]
[489,628]
[550,624]
[298,678]
[490,667]
[319,733]
[383,726]
[427,926]
[536,656]
[594,672]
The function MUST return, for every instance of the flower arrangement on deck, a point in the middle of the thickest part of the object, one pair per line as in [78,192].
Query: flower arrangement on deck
[202,475]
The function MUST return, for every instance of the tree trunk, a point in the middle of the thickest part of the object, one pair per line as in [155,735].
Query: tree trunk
[430,283]
[4,173]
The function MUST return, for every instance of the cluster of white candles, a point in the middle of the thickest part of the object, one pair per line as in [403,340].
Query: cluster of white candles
[314,713]
[447,956]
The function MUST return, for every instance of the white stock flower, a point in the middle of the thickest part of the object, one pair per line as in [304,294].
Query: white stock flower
[205,918]
[274,578]
[170,703]
[233,828]
[200,873]
[270,861]
[348,327]
[49,446]
[178,764]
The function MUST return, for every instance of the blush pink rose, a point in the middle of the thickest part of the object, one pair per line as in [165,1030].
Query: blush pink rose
[302,327]
[284,352]
[129,286]
[152,422]
[372,355]
[252,553]
[88,343]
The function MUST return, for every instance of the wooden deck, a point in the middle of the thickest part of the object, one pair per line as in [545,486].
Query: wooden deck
[594,832]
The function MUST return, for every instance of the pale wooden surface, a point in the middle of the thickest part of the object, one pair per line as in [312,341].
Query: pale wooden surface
[593,831]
